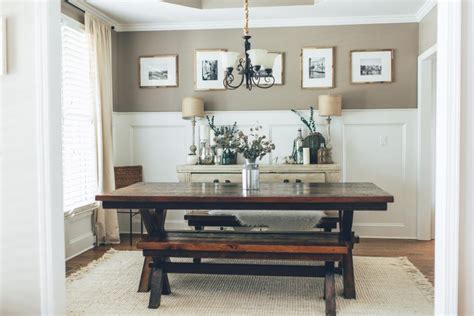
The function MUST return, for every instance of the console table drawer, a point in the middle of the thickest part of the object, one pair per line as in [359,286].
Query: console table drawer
[221,177]
[292,177]
[264,177]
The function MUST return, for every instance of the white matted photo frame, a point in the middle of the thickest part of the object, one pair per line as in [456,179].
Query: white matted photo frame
[317,67]
[158,71]
[208,69]
[371,66]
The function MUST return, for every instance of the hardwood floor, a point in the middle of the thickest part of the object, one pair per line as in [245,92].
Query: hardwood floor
[420,253]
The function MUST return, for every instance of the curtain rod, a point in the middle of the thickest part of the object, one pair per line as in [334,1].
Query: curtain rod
[83,11]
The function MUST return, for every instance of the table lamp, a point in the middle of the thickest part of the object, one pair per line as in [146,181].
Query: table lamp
[330,105]
[191,109]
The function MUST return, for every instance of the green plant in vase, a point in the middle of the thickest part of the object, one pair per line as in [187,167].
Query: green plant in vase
[225,138]
[314,139]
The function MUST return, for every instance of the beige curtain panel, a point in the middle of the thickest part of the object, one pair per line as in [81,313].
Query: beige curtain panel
[100,39]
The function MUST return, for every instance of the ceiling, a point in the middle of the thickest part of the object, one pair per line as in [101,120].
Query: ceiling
[139,15]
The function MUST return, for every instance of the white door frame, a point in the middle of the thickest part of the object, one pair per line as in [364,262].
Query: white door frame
[47,17]
[425,161]
[448,125]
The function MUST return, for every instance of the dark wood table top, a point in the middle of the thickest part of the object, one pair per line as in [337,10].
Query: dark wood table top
[232,193]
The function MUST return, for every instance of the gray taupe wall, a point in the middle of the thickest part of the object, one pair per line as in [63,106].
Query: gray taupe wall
[428,30]
[403,38]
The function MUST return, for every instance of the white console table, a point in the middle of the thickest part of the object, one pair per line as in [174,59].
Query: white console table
[268,173]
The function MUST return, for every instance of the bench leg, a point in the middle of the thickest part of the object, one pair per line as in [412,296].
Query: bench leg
[198,228]
[348,275]
[330,290]
[144,285]
[156,284]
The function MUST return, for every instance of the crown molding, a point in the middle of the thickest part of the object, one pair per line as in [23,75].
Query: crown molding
[425,9]
[83,5]
[237,24]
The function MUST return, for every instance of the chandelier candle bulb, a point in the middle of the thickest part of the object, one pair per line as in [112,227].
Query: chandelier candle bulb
[229,59]
[269,61]
[257,56]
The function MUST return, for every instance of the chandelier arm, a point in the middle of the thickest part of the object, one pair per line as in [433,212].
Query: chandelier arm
[229,78]
[268,82]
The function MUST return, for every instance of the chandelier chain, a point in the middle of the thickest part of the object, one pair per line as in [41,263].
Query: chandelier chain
[246,17]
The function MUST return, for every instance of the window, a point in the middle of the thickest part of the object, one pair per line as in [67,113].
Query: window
[80,183]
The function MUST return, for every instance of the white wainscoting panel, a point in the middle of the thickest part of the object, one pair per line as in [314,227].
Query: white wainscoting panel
[78,233]
[371,145]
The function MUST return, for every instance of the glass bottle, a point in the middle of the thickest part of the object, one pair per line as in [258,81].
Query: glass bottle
[299,148]
[322,154]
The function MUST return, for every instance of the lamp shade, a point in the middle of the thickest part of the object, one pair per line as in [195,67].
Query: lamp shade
[257,56]
[330,105]
[229,59]
[192,107]
[269,60]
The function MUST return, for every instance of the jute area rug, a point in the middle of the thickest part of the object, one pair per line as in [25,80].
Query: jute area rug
[385,286]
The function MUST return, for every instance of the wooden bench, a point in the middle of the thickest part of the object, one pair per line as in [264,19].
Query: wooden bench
[314,246]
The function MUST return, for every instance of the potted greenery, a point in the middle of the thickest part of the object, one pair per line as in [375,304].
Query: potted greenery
[225,139]
[252,146]
[314,139]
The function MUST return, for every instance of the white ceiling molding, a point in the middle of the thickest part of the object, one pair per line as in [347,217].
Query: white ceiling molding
[425,9]
[236,24]
[83,5]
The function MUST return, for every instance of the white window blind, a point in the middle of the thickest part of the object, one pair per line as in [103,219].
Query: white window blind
[80,183]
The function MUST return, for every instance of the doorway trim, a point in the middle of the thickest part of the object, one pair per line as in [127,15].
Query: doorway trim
[49,152]
[448,127]
[425,182]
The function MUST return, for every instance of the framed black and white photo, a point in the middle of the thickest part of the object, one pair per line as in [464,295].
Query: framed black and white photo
[208,70]
[158,71]
[371,66]
[317,67]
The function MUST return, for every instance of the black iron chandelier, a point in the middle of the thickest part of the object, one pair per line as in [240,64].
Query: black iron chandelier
[255,68]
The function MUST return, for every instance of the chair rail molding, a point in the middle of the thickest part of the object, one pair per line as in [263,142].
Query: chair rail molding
[448,126]
[159,140]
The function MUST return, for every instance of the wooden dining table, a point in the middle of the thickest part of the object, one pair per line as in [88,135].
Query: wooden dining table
[156,199]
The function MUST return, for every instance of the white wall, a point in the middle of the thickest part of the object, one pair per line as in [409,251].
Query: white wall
[466,251]
[32,246]
[377,146]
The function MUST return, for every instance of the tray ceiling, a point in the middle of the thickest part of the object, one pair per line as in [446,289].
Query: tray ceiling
[137,15]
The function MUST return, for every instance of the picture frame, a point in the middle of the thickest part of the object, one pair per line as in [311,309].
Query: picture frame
[208,70]
[3,46]
[279,69]
[372,66]
[158,71]
[317,67]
